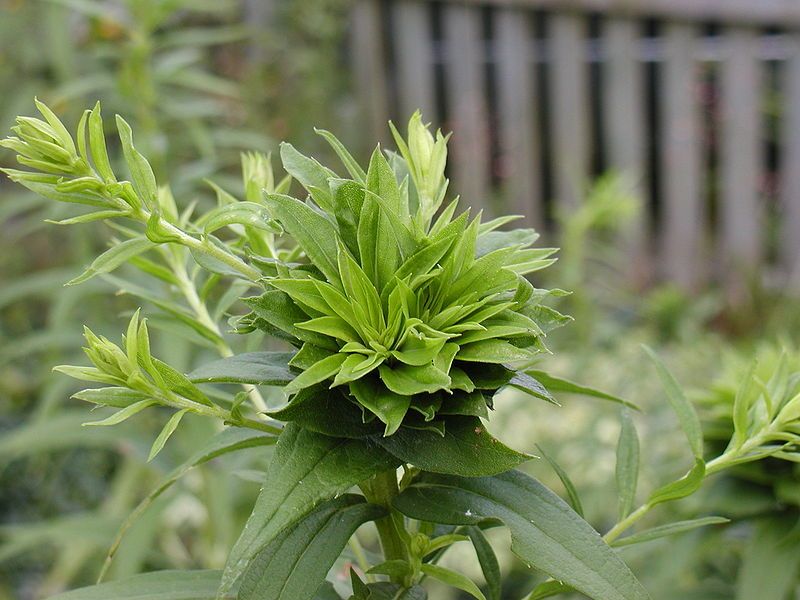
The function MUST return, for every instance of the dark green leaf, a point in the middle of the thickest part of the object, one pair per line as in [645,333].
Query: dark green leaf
[465,449]
[295,563]
[559,384]
[260,368]
[488,562]
[572,493]
[307,468]
[545,532]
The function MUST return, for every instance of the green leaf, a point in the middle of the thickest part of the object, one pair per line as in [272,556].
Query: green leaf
[488,562]
[389,407]
[307,468]
[382,182]
[143,179]
[118,397]
[524,382]
[352,166]
[241,213]
[383,590]
[114,257]
[315,234]
[453,578]
[258,368]
[687,416]
[545,532]
[124,414]
[746,395]
[311,409]
[465,449]
[226,441]
[686,485]
[627,469]
[668,529]
[318,372]
[377,244]
[408,380]
[559,384]
[572,493]
[548,589]
[279,311]
[771,561]
[493,351]
[295,564]
[308,172]
[169,428]
[97,145]
[159,585]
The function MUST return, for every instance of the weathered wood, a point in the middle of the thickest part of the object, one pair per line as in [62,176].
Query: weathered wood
[790,168]
[414,55]
[517,108]
[467,106]
[369,66]
[746,12]
[682,210]
[569,102]
[740,215]
[623,111]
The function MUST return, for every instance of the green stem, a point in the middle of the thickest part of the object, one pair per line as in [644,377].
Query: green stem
[201,312]
[381,490]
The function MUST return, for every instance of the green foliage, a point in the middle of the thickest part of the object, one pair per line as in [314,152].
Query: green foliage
[406,319]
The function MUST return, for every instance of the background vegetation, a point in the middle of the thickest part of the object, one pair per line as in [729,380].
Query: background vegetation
[199,87]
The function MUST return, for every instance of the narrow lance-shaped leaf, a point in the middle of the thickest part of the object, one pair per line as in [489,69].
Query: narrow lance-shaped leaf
[488,562]
[454,579]
[295,564]
[114,257]
[572,493]
[668,529]
[687,416]
[307,468]
[159,585]
[169,428]
[627,470]
[545,531]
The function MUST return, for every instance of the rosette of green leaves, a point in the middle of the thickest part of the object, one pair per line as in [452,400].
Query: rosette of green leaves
[408,321]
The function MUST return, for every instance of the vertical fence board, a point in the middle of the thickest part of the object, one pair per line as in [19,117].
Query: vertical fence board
[790,167]
[624,115]
[517,107]
[467,107]
[569,102]
[682,210]
[414,52]
[740,218]
[369,65]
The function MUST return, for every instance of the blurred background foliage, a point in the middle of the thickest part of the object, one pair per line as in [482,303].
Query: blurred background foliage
[198,87]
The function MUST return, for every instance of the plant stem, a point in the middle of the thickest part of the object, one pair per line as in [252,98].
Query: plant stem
[626,523]
[189,292]
[381,490]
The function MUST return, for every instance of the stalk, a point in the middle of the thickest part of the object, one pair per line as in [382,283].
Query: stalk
[381,490]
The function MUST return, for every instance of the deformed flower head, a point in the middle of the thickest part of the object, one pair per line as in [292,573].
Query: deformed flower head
[412,319]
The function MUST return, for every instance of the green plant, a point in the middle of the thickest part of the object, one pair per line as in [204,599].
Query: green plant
[406,320]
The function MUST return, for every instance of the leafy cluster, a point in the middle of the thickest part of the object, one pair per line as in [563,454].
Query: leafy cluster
[413,318]
[754,408]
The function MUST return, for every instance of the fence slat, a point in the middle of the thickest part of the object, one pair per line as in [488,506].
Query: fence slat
[568,71]
[682,209]
[740,216]
[517,107]
[465,81]
[790,169]
[414,51]
[625,126]
[369,65]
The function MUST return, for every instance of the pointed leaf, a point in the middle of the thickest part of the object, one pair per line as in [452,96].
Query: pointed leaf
[259,368]
[545,531]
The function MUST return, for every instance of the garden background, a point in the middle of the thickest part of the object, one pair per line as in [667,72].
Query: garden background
[656,143]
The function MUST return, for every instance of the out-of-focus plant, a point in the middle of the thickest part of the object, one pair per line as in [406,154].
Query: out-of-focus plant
[591,253]
[755,403]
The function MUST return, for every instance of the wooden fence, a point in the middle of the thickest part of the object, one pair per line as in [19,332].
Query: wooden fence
[697,100]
